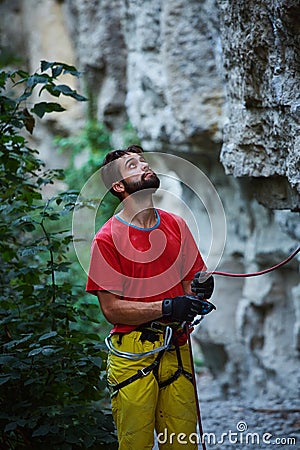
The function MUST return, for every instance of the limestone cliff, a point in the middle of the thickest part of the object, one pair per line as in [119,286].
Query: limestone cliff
[260,42]
[215,82]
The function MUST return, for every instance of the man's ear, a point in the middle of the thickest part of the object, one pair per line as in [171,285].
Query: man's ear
[118,186]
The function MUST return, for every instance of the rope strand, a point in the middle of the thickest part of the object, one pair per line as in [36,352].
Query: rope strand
[261,272]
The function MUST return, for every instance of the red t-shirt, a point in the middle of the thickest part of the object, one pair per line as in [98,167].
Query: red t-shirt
[143,264]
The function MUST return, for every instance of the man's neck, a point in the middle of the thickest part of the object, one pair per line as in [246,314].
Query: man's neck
[139,211]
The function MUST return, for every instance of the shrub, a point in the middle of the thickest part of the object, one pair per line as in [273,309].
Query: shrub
[52,388]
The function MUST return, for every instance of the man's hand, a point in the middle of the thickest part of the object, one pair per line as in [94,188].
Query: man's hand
[203,289]
[185,308]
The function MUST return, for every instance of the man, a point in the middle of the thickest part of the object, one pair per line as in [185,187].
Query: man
[144,269]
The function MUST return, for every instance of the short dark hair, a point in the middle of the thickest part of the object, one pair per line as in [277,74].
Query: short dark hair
[110,173]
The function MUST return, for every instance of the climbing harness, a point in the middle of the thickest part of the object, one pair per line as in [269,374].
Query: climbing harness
[114,388]
[179,371]
[137,356]
[169,344]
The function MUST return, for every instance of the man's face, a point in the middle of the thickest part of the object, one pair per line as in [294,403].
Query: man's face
[136,173]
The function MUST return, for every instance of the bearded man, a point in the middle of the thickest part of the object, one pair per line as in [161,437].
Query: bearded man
[144,270]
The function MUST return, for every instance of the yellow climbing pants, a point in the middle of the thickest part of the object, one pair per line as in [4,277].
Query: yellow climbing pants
[142,407]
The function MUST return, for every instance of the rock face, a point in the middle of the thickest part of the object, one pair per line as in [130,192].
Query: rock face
[101,51]
[260,42]
[174,98]
[207,81]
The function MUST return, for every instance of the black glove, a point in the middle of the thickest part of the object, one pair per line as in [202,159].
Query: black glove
[185,308]
[203,289]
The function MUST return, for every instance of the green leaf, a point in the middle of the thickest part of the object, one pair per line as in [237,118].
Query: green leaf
[45,65]
[10,426]
[71,70]
[66,90]
[89,440]
[77,385]
[50,88]
[97,361]
[5,359]
[35,79]
[29,227]
[57,70]
[43,430]
[48,335]
[35,352]
[32,250]
[4,379]
[48,351]
[17,342]
[58,67]
[40,109]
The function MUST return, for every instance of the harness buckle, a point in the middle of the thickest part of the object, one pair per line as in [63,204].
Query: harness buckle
[157,326]
[145,371]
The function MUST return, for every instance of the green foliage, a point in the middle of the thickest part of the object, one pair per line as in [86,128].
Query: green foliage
[52,389]
[90,145]
[86,151]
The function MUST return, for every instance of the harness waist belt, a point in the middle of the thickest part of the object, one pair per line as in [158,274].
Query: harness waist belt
[160,326]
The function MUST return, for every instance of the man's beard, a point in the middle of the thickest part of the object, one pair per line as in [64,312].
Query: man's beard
[147,182]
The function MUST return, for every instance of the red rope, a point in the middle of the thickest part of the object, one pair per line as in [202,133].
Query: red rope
[188,333]
[262,272]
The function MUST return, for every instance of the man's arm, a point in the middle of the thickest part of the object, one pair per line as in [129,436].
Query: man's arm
[179,309]
[116,310]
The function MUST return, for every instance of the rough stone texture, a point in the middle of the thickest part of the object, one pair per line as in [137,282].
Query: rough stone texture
[101,53]
[261,55]
[251,343]
[179,70]
[175,94]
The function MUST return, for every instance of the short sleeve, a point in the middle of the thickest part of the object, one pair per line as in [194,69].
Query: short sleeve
[192,259]
[104,271]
